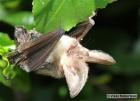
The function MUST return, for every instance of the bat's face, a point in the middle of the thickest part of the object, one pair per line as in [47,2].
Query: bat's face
[57,55]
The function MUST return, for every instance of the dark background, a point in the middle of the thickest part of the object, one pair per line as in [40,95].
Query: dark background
[117,32]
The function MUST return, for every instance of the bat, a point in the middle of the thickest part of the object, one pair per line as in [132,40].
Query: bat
[58,55]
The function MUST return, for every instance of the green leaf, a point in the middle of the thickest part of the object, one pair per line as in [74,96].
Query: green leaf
[23,18]
[3,79]
[10,3]
[102,3]
[8,70]
[52,14]
[20,19]
[10,75]
[3,12]
[5,40]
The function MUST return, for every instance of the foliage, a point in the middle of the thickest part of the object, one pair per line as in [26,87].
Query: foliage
[111,33]
[47,16]
[61,13]
[10,75]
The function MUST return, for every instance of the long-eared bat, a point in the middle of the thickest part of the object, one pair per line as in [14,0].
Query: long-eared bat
[58,55]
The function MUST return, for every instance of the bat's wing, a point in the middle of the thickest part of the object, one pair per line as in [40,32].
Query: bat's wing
[32,54]
[81,29]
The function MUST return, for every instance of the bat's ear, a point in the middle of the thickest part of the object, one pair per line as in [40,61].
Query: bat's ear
[96,56]
[76,75]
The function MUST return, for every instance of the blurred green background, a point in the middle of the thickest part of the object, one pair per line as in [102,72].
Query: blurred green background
[117,32]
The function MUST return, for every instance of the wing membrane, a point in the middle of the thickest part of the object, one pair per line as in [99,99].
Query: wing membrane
[31,55]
